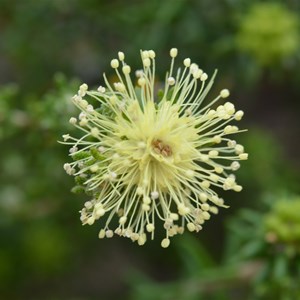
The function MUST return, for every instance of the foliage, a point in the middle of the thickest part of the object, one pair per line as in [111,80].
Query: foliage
[44,251]
[272,239]
[262,260]
[32,238]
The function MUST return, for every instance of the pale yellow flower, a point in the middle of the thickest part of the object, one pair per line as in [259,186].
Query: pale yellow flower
[151,157]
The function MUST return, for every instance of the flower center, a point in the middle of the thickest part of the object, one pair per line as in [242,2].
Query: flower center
[161,148]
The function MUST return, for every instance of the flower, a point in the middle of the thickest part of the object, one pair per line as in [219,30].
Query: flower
[269,32]
[148,157]
[282,223]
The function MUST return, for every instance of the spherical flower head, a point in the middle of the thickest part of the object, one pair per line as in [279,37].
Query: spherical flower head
[149,158]
[269,33]
[282,223]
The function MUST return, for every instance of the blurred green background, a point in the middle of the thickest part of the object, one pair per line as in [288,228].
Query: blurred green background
[49,47]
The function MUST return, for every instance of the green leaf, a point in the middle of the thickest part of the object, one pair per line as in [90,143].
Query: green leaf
[280,268]
[80,155]
[78,189]
[194,256]
[96,154]
[160,95]
[80,180]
